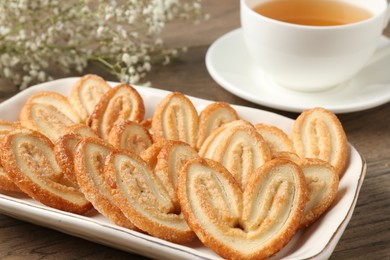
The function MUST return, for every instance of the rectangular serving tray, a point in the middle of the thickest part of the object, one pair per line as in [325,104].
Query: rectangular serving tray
[315,242]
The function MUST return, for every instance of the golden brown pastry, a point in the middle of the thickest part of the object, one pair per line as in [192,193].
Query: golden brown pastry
[288,156]
[80,129]
[49,113]
[150,155]
[170,159]
[131,136]
[65,145]
[208,146]
[175,118]
[122,102]
[237,146]
[253,223]
[276,139]
[89,164]
[317,133]
[29,160]
[86,93]
[322,183]
[6,183]
[213,116]
[143,198]
[147,123]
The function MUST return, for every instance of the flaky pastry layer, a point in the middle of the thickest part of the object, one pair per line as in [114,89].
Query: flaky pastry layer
[253,223]
[29,160]
[48,113]
[317,133]
[122,102]
[143,198]
[175,118]
[86,93]
[89,159]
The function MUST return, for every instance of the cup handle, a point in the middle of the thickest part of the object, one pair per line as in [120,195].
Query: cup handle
[387,17]
[384,51]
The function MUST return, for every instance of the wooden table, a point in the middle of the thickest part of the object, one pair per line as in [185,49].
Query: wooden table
[368,233]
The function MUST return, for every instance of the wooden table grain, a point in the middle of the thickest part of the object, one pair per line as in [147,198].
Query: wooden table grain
[368,233]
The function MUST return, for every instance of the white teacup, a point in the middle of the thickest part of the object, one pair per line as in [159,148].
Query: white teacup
[312,58]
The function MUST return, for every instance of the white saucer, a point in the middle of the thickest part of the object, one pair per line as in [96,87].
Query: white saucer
[231,66]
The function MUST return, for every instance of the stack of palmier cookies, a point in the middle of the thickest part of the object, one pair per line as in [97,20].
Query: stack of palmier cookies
[243,189]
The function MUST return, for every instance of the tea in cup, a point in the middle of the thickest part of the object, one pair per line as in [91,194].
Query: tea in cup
[312,45]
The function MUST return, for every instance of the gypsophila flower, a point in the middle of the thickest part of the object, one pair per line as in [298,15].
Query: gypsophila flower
[42,37]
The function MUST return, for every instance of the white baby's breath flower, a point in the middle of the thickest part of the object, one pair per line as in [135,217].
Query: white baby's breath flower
[131,70]
[134,59]
[100,31]
[14,61]
[147,66]
[158,41]
[126,58]
[4,30]
[167,60]
[134,79]
[33,73]
[5,58]
[7,72]
[42,76]
[174,53]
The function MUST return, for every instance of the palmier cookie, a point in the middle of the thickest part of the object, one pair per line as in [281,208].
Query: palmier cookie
[64,148]
[29,160]
[143,198]
[90,154]
[213,116]
[322,183]
[49,113]
[276,139]
[131,136]
[239,148]
[317,133]
[122,102]
[175,118]
[6,183]
[86,93]
[251,224]
[208,146]
[170,159]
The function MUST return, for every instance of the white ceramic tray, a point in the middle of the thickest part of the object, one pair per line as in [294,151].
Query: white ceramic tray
[316,242]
